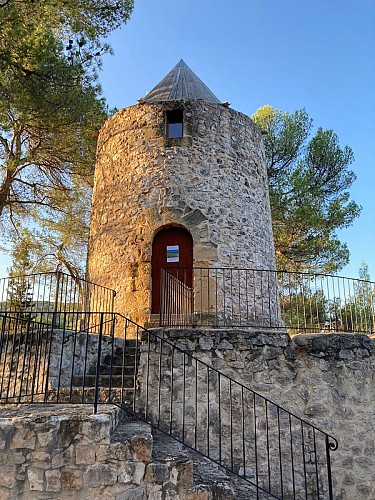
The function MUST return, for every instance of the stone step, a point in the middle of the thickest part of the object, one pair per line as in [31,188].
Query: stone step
[75,395]
[153,322]
[209,480]
[118,381]
[113,370]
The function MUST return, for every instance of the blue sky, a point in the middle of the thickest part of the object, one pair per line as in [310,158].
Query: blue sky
[286,53]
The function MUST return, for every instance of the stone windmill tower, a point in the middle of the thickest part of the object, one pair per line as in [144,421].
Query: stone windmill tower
[180,174]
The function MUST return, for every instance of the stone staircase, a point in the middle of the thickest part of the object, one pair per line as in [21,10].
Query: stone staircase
[175,472]
[116,375]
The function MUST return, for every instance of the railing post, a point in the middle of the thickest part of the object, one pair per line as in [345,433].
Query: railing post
[162,291]
[54,314]
[330,446]
[96,397]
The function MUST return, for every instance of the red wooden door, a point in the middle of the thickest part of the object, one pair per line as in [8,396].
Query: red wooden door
[172,248]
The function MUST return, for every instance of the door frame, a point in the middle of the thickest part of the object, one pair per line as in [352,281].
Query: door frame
[155,280]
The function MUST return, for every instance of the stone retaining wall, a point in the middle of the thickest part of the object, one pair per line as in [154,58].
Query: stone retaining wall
[63,453]
[326,379]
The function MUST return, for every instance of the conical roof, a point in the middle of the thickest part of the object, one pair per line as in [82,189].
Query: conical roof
[180,83]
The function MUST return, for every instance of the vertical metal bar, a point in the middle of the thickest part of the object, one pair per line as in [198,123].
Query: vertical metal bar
[98,361]
[329,472]
[216,295]
[247,296]
[12,355]
[243,432]
[316,464]
[124,352]
[73,365]
[55,309]
[147,375]
[269,300]
[61,357]
[136,363]
[292,455]
[37,362]
[372,309]
[231,296]
[224,300]
[49,347]
[219,404]
[329,303]
[159,386]
[280,453]
[254,298]
[239,297]
[268,449]
[231,425]
[208,410]
[183,394]
[25,356]
[6,320]
[256,446]
[112,341]
[88,319]
[346,304]
[196,404]
[304,458]
[171,396]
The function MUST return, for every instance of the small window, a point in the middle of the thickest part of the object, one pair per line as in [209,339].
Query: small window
[174,124]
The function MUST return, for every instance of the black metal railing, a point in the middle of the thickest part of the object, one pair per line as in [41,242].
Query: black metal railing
[300,302]
[277,453]
[42,296]
[177,303]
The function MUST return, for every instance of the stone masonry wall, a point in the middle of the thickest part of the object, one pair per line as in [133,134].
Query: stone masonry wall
[326,379]
[66,453]
[212,181]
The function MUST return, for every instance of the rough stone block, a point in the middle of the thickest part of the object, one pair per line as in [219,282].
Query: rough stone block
[7,476]
[45,438]
[40,459]
[155,493]
[157,473]
[197,493]
[63,458]
[85,454]
[36,479]
[23,438]
[53,480]
[113,452]
[132,472]
[100,475]
[138,493]
[71,479]
[142,447]
[97,429]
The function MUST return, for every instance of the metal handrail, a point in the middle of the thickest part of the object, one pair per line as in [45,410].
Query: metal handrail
[272,449]
[53,292]
[299,302]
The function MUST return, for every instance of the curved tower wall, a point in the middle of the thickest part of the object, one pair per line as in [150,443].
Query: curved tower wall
[212,181]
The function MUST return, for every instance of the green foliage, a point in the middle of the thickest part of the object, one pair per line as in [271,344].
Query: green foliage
[358,313]
[309,180]
[50,107]
[19,296]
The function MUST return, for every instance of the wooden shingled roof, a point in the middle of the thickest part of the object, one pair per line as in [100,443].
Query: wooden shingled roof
[180,83]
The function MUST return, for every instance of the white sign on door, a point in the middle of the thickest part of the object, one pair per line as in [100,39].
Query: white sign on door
[173,253]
